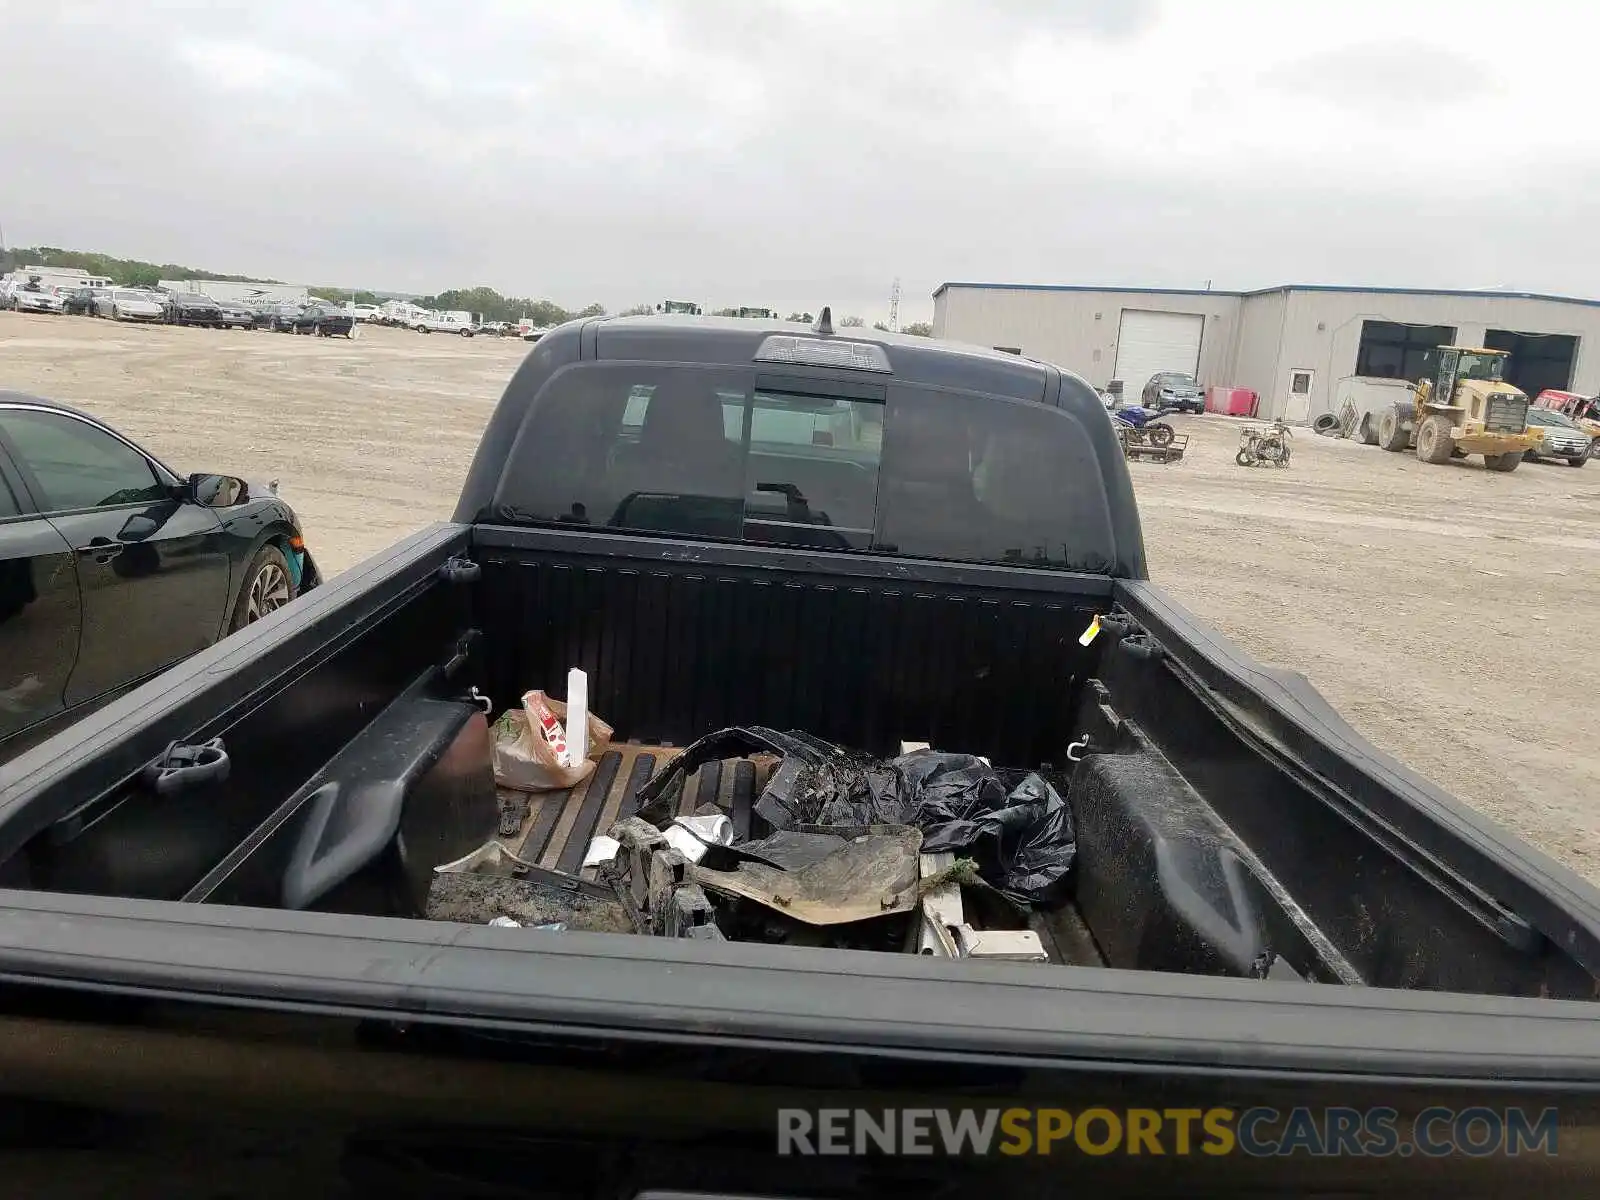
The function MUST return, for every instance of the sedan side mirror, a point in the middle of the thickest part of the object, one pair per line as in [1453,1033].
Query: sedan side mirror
[219,491]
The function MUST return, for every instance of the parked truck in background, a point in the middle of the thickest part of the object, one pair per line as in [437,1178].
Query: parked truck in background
[463,323]
[219,940]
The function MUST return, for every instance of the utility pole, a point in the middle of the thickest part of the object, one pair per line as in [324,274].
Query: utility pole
[894,306]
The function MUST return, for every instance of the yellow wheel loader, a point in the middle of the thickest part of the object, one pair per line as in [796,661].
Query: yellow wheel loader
[1466,408]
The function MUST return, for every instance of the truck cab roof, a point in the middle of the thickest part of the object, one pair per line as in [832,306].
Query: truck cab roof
[736,341]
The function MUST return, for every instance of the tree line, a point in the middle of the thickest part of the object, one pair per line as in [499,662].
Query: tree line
[125,272]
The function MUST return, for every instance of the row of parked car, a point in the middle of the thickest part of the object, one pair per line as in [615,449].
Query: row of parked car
[315,317]
[463,324]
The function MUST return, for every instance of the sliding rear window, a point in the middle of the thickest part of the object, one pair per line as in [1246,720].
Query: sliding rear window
[783,458]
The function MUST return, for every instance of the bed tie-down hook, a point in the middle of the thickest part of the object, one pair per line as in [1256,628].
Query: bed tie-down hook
[1076,750]
[482,701]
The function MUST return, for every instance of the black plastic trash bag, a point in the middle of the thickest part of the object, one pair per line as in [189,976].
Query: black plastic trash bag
[1016,827]
[1025,849]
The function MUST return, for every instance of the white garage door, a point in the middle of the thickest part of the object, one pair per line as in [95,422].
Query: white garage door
[1150,342]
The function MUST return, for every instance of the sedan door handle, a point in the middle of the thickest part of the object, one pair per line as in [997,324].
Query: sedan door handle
[103,549]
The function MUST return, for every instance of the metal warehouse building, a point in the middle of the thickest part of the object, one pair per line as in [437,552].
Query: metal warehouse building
[1289,344]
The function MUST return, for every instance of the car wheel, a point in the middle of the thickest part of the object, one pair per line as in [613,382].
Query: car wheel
[1578,461]
[268,586]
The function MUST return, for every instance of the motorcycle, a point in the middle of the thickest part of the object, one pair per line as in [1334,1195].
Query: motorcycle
[1260,447]
[1141,425]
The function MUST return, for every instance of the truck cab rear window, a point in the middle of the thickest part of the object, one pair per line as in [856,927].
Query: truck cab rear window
[727,454]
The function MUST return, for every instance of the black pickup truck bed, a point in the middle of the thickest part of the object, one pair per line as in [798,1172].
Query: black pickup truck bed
[1251,878]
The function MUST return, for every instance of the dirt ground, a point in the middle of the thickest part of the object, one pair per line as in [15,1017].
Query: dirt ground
[1443,610]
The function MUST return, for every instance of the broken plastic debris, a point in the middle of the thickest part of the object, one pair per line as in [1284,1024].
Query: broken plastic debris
[490,854]
[692,836]
[1092,632]
[601,850]
[509,923]
[1005,945]
[869,876]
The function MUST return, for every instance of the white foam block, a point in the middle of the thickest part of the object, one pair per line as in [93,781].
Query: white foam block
[577,717]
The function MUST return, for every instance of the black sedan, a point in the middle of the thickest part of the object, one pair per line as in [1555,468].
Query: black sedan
[113,567]
[236,316]
[279,318]
[324,320]
[80,301]
[191,308]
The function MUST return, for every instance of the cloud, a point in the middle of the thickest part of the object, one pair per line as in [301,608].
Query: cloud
[239,66]
[797,153]
[1386,78]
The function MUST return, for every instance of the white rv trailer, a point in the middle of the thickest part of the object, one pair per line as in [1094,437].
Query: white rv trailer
[57,278]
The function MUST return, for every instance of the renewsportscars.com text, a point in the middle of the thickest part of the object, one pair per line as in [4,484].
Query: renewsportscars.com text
[1257,1132]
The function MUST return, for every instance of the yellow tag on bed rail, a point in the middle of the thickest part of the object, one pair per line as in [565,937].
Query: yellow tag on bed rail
[1090,633]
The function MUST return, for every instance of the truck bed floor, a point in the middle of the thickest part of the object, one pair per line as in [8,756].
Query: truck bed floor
[559,825]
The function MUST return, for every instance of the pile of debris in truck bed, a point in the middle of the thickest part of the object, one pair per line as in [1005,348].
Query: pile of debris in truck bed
[927,853]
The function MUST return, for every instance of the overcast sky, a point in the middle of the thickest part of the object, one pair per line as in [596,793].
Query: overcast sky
[796,154]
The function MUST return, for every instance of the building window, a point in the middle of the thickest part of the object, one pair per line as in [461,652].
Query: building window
[1390,350]
[1537,360]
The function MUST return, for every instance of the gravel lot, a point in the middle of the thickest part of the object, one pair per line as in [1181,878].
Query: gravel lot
[1442,609]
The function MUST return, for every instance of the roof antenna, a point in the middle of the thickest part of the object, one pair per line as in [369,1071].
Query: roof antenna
[824,321]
